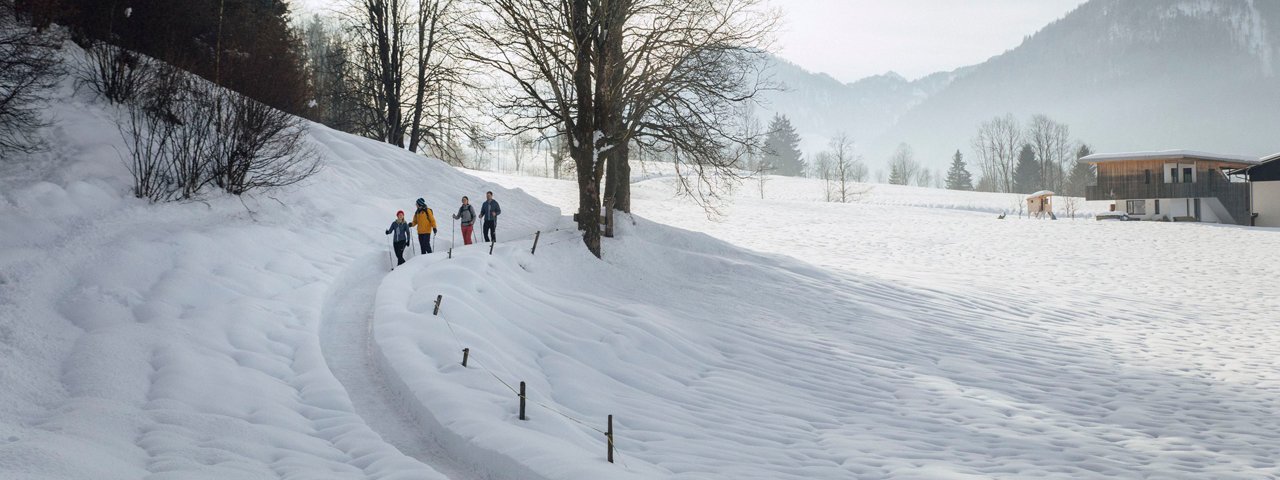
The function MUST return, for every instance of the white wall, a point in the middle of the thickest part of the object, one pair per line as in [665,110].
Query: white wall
[1266,203]
[1171,208]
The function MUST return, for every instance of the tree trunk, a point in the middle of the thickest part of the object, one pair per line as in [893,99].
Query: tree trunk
[611,69]
[582,128]
[428,15]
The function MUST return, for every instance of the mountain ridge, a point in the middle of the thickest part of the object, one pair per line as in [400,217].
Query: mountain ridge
[1123,76]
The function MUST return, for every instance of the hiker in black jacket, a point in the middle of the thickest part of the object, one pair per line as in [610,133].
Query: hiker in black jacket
[489,212]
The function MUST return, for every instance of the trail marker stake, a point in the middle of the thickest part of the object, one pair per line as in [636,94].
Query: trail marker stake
[609,437]
[522,398]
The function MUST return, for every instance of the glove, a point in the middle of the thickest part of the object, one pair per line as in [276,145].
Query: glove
[435,231]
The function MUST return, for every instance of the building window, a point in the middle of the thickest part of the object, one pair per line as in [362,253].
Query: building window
[1173,175]
[1136,207]
[1157,206]
[1148,172]
[1187,174]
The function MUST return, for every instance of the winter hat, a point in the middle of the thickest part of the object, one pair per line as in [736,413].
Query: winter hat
[422,203]
[399,213]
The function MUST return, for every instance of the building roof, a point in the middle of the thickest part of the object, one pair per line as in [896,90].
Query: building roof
[1268,170]
[1170,154]
[1042,193]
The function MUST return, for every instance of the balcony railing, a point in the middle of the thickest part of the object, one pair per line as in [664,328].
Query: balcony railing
[1134,187]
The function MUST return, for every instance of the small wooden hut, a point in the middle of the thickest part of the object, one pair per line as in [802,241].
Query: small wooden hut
[1040,204]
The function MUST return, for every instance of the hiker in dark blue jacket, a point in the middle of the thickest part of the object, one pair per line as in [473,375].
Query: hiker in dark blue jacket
[401,238]
[489,212]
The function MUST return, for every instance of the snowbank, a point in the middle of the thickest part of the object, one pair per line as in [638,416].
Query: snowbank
[181,340]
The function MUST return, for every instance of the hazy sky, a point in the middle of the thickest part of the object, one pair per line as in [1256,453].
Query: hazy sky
[852,39]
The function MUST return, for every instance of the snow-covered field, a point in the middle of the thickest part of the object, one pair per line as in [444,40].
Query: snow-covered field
[909,335]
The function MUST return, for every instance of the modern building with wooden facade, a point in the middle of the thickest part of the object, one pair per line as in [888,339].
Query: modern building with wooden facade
[1178,185]
[1264,191]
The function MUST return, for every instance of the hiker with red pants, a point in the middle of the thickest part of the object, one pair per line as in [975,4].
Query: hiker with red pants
[468,217]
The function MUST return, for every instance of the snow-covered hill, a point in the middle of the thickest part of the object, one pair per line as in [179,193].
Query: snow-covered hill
[909,335]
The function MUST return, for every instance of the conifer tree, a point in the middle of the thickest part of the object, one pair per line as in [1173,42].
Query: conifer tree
[1026,176]
[1081,173]
[958,177]
[782,148]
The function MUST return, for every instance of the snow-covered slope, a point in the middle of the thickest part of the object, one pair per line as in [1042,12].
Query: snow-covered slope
[182,340]
[910,335]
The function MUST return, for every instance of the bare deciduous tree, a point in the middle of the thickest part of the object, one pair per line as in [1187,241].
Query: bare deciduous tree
[997,144]
[665,74]
[409,79]
[848,168]
[114,72]
[902,166]
[823,167]
[173,155]
[924,178]
[28,66]
[261,147]
[692,69]
[1052,143]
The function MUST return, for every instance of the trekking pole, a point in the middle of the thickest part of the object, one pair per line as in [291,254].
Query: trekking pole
[392,251]
[453,232]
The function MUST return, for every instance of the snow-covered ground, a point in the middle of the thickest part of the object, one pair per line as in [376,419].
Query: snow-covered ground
[908,335]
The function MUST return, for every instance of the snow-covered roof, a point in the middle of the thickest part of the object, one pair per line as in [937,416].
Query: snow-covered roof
[1169,154]
[1042,193]
[1272,157]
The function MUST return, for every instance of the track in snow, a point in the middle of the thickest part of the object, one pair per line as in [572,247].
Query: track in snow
[345,339]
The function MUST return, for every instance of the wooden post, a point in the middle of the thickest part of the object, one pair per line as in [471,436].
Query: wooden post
[450,252]
[609,436]
[495,242]
[522,397]
[535,242]
[439,298]
[465,353]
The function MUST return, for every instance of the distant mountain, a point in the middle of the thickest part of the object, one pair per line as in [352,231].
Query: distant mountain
[1124,74]
[820,106]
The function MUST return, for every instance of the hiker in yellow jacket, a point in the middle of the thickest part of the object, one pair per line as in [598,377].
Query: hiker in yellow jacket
[425,220]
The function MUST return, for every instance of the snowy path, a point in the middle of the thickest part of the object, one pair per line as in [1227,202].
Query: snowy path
[346,341]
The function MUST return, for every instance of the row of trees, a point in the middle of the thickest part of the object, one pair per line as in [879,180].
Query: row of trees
[596,77]
[181,133]
[594,80]
[1007,148]
[234,43]
[669,75]
[393,70]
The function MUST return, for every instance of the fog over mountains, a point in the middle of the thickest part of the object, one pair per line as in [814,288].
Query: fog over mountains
[1123,74]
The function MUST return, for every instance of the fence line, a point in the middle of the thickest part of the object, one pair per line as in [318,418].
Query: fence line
[609,437]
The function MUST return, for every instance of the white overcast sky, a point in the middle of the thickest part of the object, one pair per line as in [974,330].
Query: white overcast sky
[852,39]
